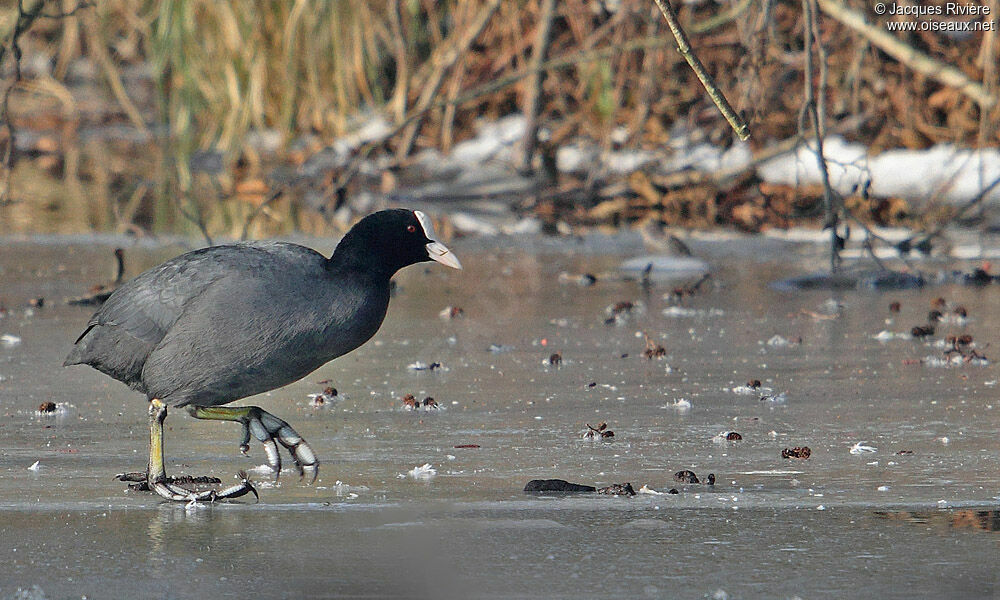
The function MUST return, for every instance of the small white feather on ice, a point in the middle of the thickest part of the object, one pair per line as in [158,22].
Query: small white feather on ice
[425,471]
[860,448]
[680,405]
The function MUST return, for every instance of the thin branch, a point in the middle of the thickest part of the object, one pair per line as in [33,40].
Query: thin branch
[958,214]
[259,209]
[533,100]
[811,111]
[721,19]
[561,62]
[684,47]
[488,88]
[25,17]
[442,61]
[71,13]
[103,58]
[198,220]
[908,55]
[401,91]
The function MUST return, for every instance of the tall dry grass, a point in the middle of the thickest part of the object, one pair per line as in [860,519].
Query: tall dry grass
[251,79]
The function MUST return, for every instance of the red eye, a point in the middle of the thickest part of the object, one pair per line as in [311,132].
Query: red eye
[411,228]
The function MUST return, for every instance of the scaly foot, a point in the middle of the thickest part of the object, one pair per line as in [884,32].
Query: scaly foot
[138,481]
[269,430]
[156,475]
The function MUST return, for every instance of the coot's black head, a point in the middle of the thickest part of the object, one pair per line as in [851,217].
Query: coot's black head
[389,240]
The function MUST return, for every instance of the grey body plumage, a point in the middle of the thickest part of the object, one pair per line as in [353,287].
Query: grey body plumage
[276,311]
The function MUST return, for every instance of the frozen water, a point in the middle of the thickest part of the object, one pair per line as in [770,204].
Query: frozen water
[470,531]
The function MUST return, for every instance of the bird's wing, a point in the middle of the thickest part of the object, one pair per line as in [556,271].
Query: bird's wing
[138,315]
[148,305]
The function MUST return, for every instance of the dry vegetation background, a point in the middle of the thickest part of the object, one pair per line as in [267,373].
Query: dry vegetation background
[151,116]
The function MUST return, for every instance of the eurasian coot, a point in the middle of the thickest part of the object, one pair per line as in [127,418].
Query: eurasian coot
[226,322]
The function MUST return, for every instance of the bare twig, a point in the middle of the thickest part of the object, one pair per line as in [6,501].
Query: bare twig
[259,209]
[561,62]
[401,91]
[197,219]
[721,19]
[908,55]
[103,58]
[533,99]
[727,177]
[926,237]
[69,13]
[488,88]
[813,111]
[684,47]
[26,15]
[987,61]
[448,115]
[443,60]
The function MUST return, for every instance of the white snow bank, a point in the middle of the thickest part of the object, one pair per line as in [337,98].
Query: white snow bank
[943,171]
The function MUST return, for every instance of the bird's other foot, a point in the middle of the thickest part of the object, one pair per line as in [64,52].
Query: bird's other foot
[267,428]
[270,431]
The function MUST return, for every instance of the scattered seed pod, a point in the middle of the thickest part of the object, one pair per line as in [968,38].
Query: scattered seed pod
[617,489]
[802,452]
[600,431]
[732,436]
[653,350]
[622,307]
[895,307]
[329,394]
[686,477]
[451,312]
[556,359]
[47,407]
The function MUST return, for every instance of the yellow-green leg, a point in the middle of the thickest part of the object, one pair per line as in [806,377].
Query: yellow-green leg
[156,473]
[267,429]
